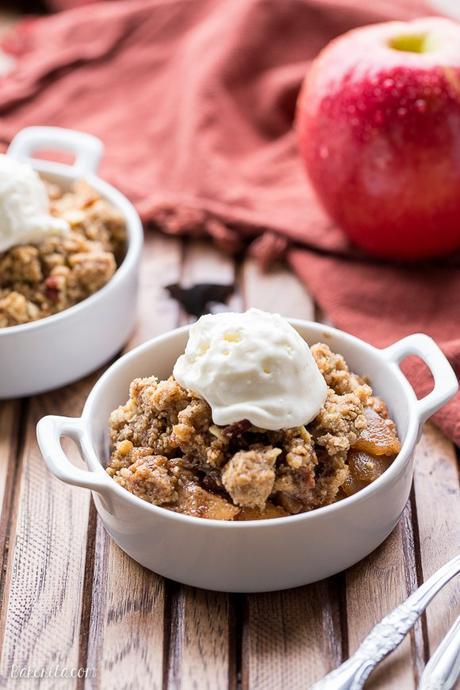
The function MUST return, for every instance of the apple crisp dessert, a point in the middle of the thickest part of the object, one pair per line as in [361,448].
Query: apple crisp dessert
[167,450]
[37,280]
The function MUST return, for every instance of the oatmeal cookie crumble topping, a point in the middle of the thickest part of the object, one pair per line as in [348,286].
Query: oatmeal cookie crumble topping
[38,280]
[167,450]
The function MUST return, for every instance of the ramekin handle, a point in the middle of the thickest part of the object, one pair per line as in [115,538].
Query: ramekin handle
[445,380]
[86,148]
[50,430]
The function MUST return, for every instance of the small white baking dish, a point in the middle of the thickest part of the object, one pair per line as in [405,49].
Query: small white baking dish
[263,555]
[54,351]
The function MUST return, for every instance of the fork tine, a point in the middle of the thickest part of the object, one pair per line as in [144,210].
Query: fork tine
[443,668]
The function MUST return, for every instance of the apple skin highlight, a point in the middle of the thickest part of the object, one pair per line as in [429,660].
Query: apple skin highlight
[379,133]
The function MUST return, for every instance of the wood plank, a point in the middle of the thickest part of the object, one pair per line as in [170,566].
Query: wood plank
[125,644]
[276,289]
[200,625]
[434,540]
[292,638]
[199,652]
[374,587]
[437,494]
[205,263]
[126,634]
[42,597]
[10,412]
[160,266]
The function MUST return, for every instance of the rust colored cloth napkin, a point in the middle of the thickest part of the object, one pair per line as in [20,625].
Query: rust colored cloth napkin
[194,100]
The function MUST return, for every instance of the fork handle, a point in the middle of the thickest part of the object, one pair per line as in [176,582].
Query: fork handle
[388,634]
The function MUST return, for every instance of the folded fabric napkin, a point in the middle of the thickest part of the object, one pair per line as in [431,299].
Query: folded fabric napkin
[194,100]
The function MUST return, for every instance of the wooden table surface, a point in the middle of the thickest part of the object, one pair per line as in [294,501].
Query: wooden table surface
[72,599]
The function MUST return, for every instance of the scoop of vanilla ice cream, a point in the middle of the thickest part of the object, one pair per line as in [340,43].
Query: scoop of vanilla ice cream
[24,211]
[252,366]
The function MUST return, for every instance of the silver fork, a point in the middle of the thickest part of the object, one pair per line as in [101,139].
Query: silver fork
[443,669]
[388,634]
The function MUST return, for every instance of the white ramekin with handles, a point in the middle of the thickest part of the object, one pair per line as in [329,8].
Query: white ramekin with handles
[260,555]
[58,349]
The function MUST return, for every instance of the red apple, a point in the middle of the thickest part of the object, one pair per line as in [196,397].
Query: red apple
[378,119]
